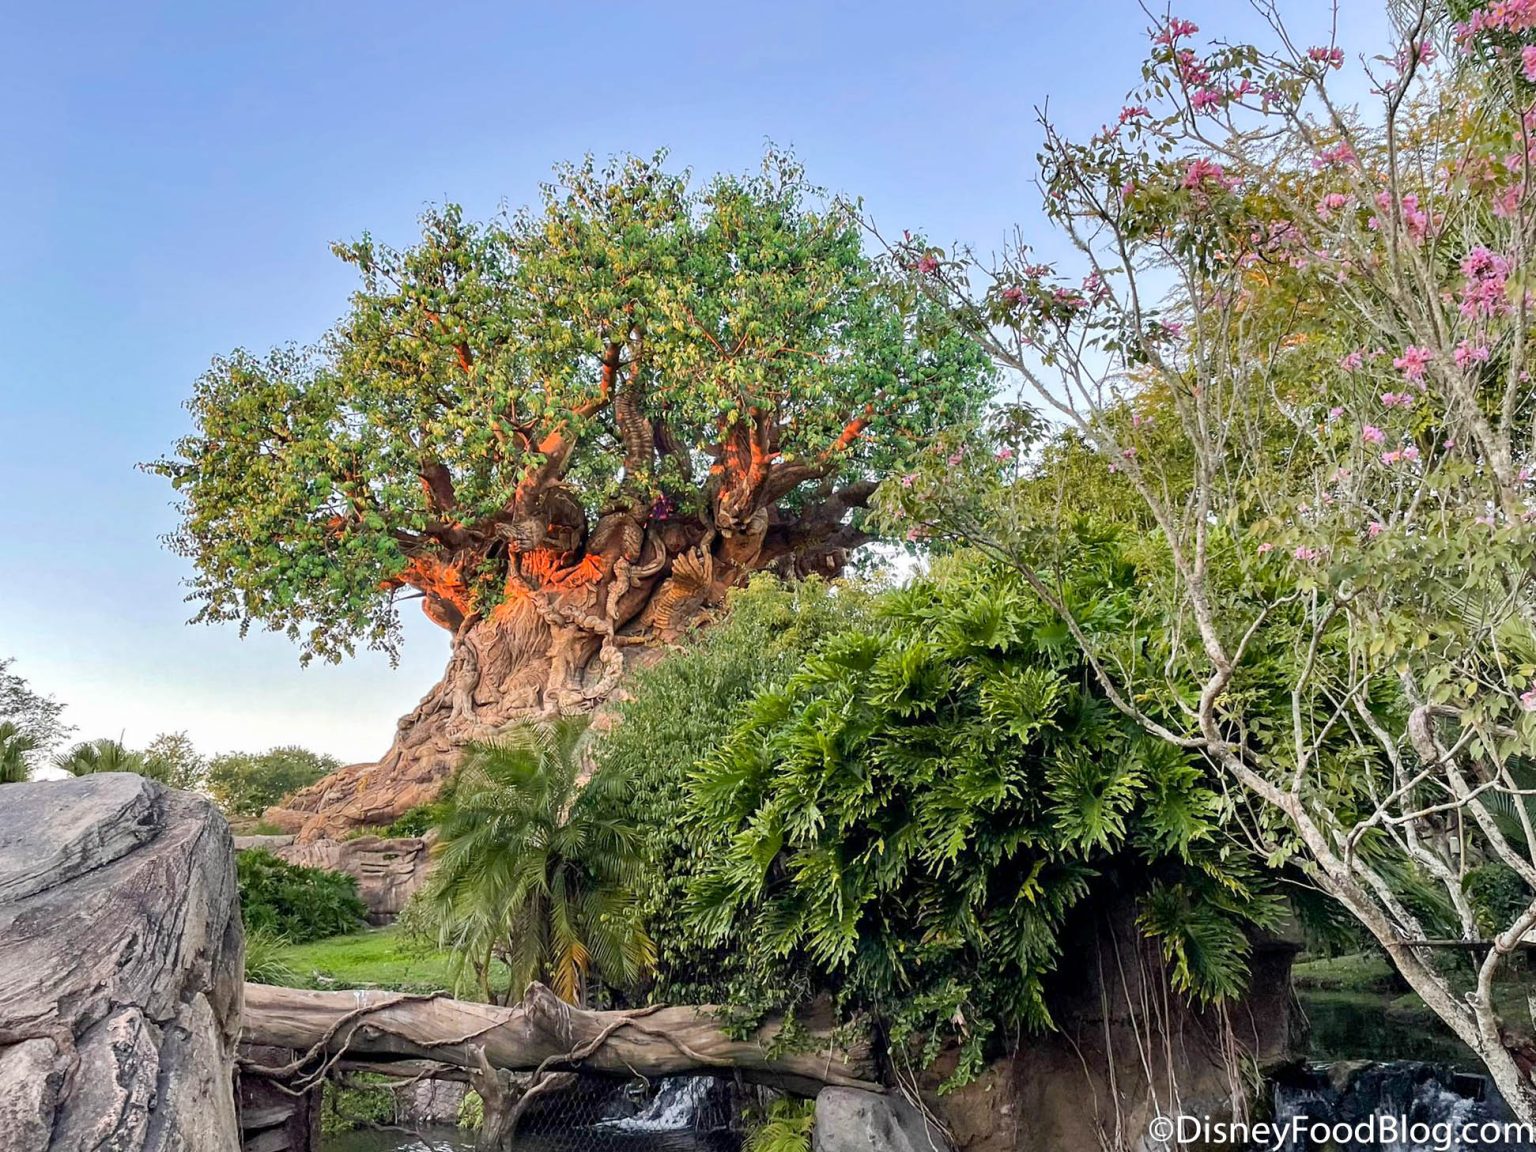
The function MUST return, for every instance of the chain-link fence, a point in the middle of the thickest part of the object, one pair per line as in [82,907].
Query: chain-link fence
[593,1113]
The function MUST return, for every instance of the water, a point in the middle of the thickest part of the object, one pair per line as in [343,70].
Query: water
[1437,1102]
[684,1114]
[577,1140]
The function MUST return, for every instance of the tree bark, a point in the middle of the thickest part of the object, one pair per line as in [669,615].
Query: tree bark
[581,609]
[544,1034]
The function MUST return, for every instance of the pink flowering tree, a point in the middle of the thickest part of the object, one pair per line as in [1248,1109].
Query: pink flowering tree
[1283,383]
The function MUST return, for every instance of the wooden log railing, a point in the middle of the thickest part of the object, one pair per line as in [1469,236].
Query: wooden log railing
[542,1034]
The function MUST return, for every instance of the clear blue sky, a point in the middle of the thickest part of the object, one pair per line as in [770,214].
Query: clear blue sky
[176,170]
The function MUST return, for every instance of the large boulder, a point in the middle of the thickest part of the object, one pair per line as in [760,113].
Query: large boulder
[852,1120]
[121,957]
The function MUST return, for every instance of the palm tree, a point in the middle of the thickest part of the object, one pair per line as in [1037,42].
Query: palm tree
[532,871]
[106,755]
[14,746]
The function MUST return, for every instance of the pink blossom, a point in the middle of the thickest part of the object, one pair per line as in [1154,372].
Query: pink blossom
[1204,99]
[1331,203]
[1129,453]
[1528,700]
[929,264]
[1133,112]
[1466,354]
[1005,453]
[1333,57]
[1341,153]
[1013,294]
[1305,553]
[1413,361]
[1175,29]
[909,479]
[1335,412]
[1392,457]
[1410,452]
[1353,361]
[1528,62]
[1486,290]
[1372,434]
[1485,521]
[1375,528]
[1450,442]
[1192,72]
[1202,170]
[1396,399]
[1499,16]
[1266,547]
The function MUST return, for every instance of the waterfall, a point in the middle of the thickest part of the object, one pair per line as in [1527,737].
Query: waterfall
[678,1104]
[1438,1103]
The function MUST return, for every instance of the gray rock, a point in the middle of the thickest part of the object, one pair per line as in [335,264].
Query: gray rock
[849,1120]
[120,969]
[429,1102]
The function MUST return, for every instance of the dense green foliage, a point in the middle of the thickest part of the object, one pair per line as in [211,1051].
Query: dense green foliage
[247,783]
[294,902]
[904,799]
[674,716]
[107,755]
[917,813]
[533,871]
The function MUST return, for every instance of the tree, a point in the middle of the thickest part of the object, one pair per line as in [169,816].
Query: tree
[36,715]
[247,783]
[15,745]
[533,870]
[1291,372]
[179,764]
[568,432]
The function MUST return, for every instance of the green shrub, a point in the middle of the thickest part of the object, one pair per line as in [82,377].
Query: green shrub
[265,959]
[298,903]
[915,819]
[676,714]
[248,783]
[1498,896]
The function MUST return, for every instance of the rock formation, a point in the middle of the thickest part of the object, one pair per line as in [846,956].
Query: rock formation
[1128,1048]
[120,968]
[388,871]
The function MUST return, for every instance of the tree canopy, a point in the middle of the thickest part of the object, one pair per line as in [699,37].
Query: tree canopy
[679,366]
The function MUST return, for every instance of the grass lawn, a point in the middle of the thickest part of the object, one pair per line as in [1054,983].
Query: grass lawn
[374,958]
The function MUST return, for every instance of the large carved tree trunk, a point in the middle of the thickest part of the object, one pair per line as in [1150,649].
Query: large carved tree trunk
[580,611]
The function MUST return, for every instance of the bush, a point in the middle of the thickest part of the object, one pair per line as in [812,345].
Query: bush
[298,903]
[914,818]
[676,715]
